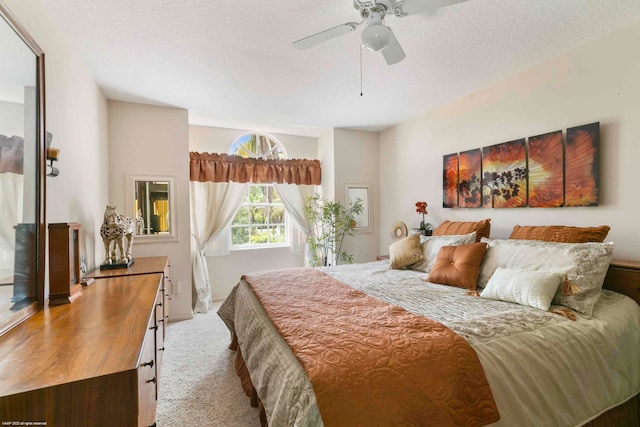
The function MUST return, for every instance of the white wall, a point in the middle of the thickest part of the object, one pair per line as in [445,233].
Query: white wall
[225,271]
[150,140]
[11,119]
[356,162]
[597,82]
[326,155]
[76,115]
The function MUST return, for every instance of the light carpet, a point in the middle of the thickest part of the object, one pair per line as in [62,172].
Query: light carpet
[198,382]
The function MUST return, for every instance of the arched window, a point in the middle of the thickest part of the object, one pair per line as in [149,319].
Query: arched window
[261,220]
[258,146]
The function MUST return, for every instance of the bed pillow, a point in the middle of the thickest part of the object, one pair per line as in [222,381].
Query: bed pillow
[560,233]
[431,245]
[405,252]
[482,228]
[525,287]
[458,265]
[583,264]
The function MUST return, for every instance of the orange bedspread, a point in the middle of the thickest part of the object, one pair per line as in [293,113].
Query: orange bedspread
[371,363]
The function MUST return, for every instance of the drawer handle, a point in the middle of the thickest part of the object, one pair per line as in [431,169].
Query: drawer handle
[159,304]
[149,364]
[152,380]
[160,320]
[154,327]
[161,349]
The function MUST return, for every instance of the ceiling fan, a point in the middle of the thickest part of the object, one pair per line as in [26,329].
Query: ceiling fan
[377,36]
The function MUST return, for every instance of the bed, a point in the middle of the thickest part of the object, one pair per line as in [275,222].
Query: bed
[542,367]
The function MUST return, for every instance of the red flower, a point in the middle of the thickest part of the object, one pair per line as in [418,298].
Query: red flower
[421,208]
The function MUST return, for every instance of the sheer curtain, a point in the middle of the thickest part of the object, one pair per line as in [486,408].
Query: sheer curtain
[294,197]
[213,206]
[218,183]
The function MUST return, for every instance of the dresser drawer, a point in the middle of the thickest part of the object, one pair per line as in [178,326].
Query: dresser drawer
[147,381]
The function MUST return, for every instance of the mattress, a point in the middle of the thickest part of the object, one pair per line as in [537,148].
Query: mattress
[543,369]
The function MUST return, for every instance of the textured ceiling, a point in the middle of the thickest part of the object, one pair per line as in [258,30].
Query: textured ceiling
[231,63]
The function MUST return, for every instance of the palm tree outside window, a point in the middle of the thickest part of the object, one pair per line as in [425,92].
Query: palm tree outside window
[261,220]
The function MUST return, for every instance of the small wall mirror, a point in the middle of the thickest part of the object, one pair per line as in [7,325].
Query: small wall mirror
[151,202]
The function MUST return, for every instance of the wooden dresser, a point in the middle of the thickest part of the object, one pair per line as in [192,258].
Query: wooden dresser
[93,362]
[146,265]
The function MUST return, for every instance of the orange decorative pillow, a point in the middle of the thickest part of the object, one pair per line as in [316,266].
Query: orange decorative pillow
[458,265]
[560,233]
[482,228]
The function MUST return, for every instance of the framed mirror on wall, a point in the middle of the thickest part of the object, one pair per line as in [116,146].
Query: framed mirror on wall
[22,173]
[362,192]
[151,202]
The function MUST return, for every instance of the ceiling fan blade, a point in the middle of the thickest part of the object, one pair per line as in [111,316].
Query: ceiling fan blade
[411,7]
[393,52]
[325,35]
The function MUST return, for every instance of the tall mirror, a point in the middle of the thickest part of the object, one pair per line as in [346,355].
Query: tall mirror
[22,171]
[151,202]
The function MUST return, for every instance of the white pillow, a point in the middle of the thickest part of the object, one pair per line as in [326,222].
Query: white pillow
[584,265]
[531,288]
[431,245]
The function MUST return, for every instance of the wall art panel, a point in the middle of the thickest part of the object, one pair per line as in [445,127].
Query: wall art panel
[582,179]
[450,181]
[504,180]
[546,170]
[469,185]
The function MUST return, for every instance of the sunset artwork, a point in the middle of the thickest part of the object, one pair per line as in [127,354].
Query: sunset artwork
[581,165]
[504,175]
[450,181]
[469,185]
[546,170]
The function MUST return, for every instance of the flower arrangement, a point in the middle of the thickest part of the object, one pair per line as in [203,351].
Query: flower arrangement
[421,208]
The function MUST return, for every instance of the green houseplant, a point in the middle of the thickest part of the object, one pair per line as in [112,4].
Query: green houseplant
[332,222]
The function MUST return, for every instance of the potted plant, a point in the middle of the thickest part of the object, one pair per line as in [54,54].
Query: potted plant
[425,227]
[332,222]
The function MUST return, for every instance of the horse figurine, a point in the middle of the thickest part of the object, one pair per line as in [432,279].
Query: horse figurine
[115,228]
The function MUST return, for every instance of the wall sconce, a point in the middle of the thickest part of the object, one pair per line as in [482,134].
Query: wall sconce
[52,156]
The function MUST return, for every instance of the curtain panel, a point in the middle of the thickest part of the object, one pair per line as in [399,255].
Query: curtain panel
[218,167]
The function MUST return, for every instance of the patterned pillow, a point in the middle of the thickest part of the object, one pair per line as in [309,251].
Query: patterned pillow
[583,264]
[560,233]
[482,228]
[525,287]
[405,252]
[431,245]
[458,265]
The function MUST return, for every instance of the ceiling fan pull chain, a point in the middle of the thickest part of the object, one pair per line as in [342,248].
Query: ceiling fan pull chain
[360,70]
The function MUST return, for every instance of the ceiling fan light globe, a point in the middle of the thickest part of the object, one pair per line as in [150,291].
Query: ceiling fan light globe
[375,37]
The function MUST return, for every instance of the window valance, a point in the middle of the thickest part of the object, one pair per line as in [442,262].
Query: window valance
[219,167]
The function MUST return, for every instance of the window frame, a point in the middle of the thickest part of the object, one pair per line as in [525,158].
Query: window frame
[286,224]
[275,150]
